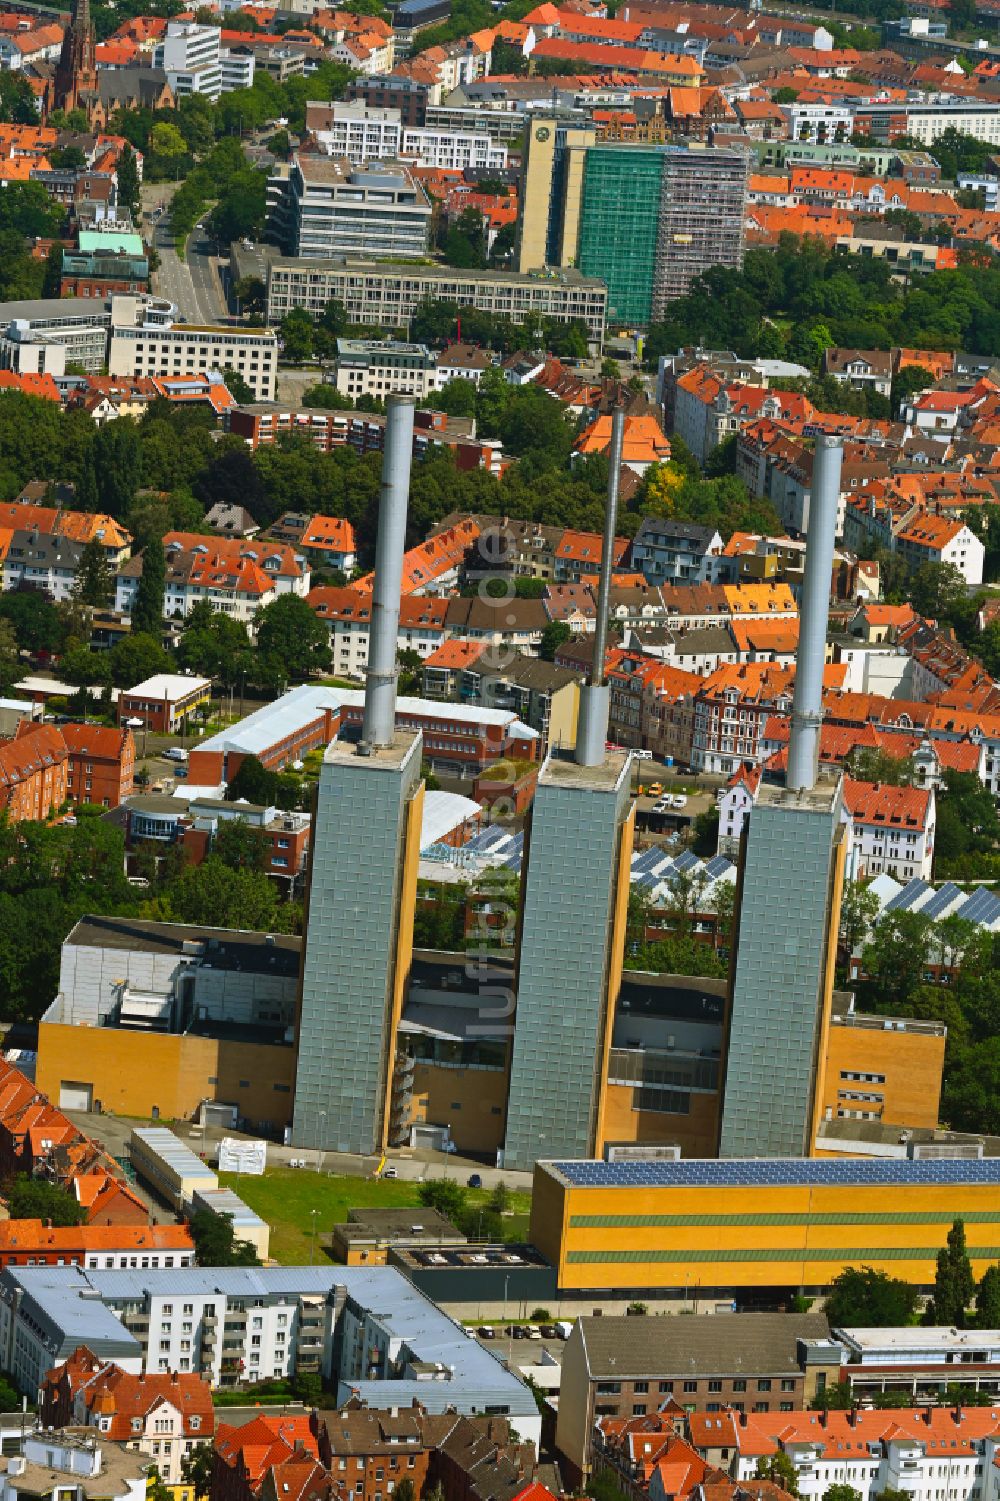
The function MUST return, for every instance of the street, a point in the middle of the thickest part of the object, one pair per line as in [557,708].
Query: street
[193,284]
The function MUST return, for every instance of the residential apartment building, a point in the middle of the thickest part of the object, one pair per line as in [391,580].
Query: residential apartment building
[323,206]
[386,296]
[347,613]
[163,1416]
[951,1450]
[191,349]
[613,1369]
[44,561]
[71,1466]
[926,120]
[234,575]
[189,55]
[349,1324]
[359,134]
[30,1243]
[377,367]
[33,772]
[677,552]
[324,541]
[891,829]
[101,764]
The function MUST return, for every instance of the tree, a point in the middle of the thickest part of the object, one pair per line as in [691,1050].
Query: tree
[147,606]
[94,583]
[326,395]
[196,1470]
[859,907]
[444,1195]
[779,1468]
[166,140]
[953,1282]
[241,846]
[841,1493]
[36,621]
[37,1199]
[215,896]
[555,634]
[499,1202]
[280,144]
[215,645]
[117,465]
[404,1490]
[128,180]
[135,658]
[297,336]
[238,388]
[988,1299]
[290,632]
[10,660]
[215,1241]
[864,1297]
[252,783]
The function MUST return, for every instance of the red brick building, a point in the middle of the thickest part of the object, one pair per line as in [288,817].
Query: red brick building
[33,772]
[101,764]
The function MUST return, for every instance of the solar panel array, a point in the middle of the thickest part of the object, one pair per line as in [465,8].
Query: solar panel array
[946,896]
[779,1172]
[982,907]
[912,892]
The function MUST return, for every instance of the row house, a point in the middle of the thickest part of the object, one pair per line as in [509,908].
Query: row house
[699,650]
[707,410]
[732,709]
[43,562]
[903,527]
[434,566]
[890,829]
[936,1453]
[36,1138]
[28,513]
[33,773]
[233,575]
[324,541]
[108,1247]
[165,1417]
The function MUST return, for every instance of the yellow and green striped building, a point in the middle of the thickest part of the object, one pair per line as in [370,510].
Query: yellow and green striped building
[735,1226]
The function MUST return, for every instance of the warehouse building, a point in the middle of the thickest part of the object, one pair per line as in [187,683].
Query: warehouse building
[757,1230]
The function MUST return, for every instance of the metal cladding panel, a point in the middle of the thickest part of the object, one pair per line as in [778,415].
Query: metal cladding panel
[778,980]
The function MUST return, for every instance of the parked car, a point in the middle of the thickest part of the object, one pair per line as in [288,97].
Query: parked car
[486,1331]
[549,1331]
[644,755]
[389,1172]
[655,789]
[475,1180]
[176,753]
[533,1331]
[680,801]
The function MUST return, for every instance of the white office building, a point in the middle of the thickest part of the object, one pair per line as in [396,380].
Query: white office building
[193,349]
[323,206]
[189,55]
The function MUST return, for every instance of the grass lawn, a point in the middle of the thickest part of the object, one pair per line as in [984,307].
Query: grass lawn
[285,1198]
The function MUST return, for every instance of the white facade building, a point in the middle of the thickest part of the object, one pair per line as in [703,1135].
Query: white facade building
[191,349]
[189,55]
[363,134]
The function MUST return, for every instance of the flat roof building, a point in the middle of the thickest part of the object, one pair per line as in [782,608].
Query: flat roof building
[386,296]
[368,1331]
[693,1230]
[322,206]
[613,1367]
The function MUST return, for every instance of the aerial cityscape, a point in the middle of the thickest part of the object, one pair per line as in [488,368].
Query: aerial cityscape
[499,750]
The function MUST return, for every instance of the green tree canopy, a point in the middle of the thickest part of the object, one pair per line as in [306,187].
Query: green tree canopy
[864,1297]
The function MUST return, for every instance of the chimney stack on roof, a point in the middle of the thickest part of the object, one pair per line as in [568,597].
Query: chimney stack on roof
[807,704]
[380,678]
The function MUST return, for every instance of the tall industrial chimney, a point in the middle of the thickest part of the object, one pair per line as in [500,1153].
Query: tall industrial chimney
[592,720]
[380,677]
[807,703]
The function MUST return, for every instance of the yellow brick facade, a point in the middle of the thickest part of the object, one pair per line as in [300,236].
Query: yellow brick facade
[746,1237]
[133,1073]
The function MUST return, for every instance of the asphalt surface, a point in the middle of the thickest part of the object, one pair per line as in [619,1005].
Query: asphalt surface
[192,284]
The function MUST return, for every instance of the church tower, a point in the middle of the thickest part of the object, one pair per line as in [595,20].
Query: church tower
[76,70]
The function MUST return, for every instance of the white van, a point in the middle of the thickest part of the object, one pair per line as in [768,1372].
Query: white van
[175,753]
